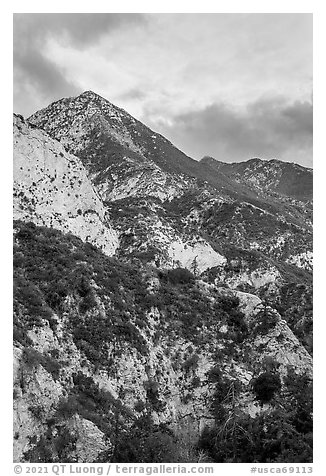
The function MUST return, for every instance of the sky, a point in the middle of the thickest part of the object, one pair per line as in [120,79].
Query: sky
[231,86]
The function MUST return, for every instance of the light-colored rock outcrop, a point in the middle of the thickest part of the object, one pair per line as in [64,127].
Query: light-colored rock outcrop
[51,188]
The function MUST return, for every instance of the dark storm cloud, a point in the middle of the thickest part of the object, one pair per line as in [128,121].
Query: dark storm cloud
[266,128]
[33,70]
[80,29]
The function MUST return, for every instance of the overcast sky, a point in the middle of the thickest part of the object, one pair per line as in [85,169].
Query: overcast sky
[233,86]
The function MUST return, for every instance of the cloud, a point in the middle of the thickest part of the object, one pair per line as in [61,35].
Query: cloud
[133,94]
[199,79]
[34,72]
[266,128]
[41,73]
[78,29]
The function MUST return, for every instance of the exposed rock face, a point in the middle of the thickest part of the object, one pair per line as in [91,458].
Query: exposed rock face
[279,343]
[148,233]
[51,188]
[163,367]
[131,179]
[302,260]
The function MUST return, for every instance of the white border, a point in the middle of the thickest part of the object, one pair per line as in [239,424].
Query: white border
[168,6]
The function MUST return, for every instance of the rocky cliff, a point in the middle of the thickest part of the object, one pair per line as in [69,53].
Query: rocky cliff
[51,188]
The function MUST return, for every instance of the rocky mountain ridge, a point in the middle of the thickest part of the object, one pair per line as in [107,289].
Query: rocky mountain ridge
[125,159]
[285,178]
[104,135]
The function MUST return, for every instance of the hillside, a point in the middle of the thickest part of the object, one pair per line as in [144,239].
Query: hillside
[163,306]
[102,347]
[273,175]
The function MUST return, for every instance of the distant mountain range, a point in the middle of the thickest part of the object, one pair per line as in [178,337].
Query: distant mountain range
[146,283]
[284,178]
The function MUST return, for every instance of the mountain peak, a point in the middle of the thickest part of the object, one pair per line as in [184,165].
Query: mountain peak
[90,95]
[103,135]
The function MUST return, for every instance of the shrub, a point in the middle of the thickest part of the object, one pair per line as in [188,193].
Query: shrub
[37,411]
[266,385]
[145,442]
[151,387]
[214,374]
[140,406]
[266,320]
[179,276]
[229,303]
[191,363]
[30,297]
[299,393]
[267,438]
[39,453]
[52,448]
[195,383]
[51,365]
[20,333]
[88,302]
[33,358]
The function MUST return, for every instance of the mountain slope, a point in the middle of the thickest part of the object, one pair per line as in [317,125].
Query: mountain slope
[284,178]
[125,159]
[76,121]
[104,350]
[235,222]
[121,153]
